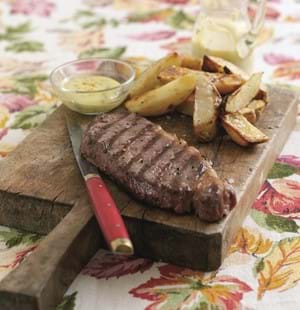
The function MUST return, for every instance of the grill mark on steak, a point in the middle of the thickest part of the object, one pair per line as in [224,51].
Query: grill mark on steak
[156,167]
[135,149]
[156,150]
[101,122]
[113,131]
[172,170]
[153,173]
[136,166]
[126,137]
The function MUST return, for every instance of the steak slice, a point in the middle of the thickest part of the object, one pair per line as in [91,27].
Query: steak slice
[155,166]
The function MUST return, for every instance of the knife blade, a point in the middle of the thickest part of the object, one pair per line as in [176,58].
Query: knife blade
[103,205]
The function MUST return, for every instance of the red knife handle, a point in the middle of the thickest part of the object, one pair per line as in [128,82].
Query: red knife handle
[108,215]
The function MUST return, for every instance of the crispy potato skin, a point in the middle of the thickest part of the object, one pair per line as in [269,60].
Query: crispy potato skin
[225,83]
[172,73]
[243,95]
[191,62]
[216,64]
[241,131]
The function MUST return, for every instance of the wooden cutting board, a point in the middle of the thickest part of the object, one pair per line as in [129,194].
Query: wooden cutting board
[41,191]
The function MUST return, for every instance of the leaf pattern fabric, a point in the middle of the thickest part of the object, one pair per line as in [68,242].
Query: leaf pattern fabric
[178,288]
[280,269]
[261,270]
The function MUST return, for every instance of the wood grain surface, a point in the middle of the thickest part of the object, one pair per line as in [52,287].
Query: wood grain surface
[40,183]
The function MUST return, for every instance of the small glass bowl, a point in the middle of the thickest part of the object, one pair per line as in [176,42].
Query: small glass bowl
[93,102]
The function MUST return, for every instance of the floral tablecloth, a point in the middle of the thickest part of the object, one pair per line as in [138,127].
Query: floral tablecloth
[262,270]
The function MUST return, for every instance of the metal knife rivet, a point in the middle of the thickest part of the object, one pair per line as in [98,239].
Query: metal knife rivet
[109,205]
[118,225]
[100,186]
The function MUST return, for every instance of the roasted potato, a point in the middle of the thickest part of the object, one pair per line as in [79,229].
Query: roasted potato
[163,99]
[148,79]
[258,106]
[249,114]
[241,131]
[191,62]
[187,107]
[206,109]
[225,83]
[172,73]
[219,65]
[216,64]
[262,94]
[242,96]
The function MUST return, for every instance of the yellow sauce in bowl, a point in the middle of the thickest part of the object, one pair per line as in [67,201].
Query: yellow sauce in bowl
[89,83]
[91,94]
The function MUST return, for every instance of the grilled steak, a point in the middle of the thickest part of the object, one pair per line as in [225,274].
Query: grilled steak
[154,166]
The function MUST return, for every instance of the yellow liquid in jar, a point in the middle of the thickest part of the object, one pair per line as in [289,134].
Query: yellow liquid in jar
[99,93]
[222,37]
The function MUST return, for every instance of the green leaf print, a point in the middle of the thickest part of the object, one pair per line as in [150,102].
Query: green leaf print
[94,23]
[25,46]
[15,32]
[181,20]
[68,302]
[83,13]
[13,237]
[155,15]
[259,265]
[116,52]
[27,85]
[31,116]
[280,170]
[100,22]
[20,29]
[274,222]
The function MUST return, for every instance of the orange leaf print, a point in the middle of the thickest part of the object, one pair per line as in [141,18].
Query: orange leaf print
[250,243]
[280,268]
[290,70]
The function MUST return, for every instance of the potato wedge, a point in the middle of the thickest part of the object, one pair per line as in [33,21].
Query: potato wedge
[187,107]
[216,64]
[249,114]
[262,94]
[241,131]
[148,79]
[206,109]
[225,83]
[191,62]
[258,106]
[242,97]
[172,73]
[163,99]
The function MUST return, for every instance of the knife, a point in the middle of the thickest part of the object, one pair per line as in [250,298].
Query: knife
[103,205]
